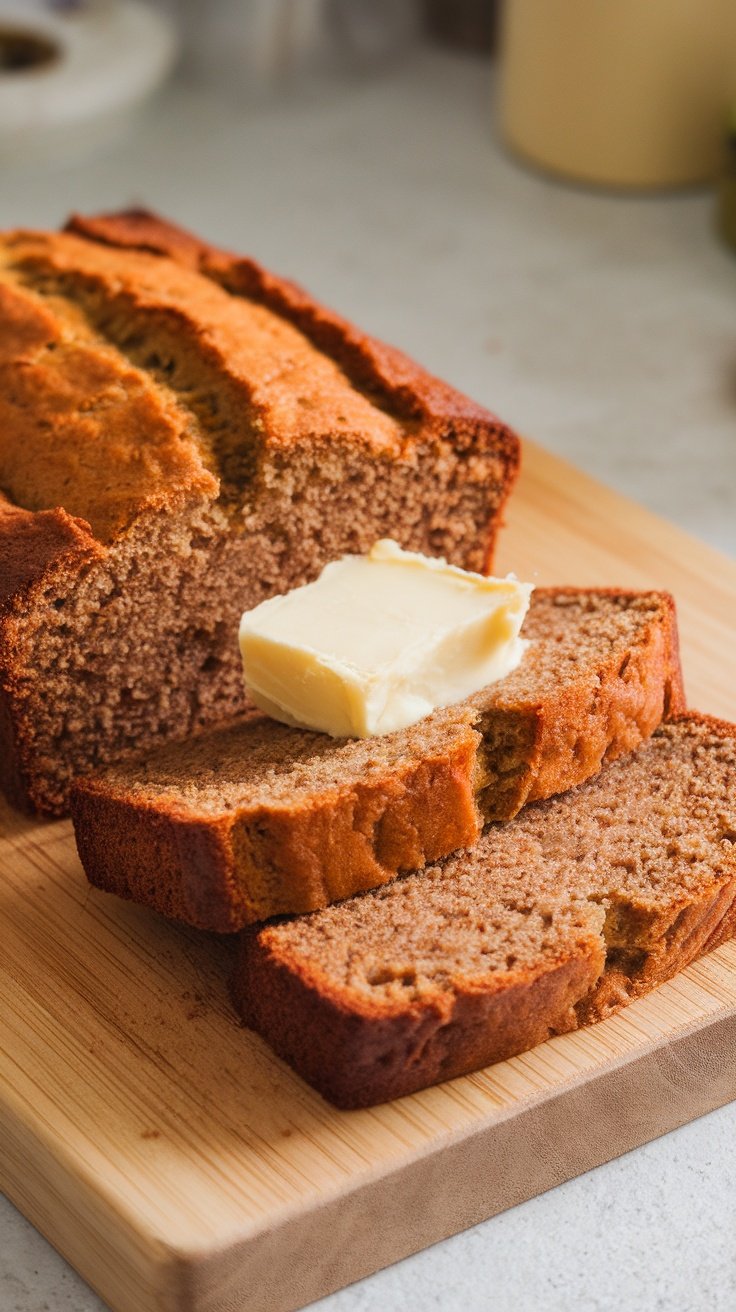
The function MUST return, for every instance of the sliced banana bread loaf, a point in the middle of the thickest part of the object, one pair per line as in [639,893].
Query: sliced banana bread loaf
[201,435]
[256,819]
[560,917]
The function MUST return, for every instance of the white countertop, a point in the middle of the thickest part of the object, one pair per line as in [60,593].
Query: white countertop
[602,326]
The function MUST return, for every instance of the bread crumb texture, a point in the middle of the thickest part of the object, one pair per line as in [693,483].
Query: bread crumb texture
[216,438]
[556,919]
[255,819]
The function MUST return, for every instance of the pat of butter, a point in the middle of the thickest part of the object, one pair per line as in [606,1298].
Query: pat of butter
[380,641]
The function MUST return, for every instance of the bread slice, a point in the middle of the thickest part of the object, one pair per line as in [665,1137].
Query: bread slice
[557,919]
[206,436]
[256,819]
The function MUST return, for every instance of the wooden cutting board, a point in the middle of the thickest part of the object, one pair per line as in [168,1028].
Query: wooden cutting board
[180,1166]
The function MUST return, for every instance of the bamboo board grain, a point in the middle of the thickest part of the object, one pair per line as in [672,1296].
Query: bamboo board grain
[182,1168]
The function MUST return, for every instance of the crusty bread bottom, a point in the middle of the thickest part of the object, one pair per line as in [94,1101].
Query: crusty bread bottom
[552,921]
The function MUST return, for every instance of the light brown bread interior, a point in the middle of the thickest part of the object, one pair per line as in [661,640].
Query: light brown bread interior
[255,819]
[218,457]
[603,893]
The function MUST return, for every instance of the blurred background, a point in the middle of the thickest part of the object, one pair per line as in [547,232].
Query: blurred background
[533,199]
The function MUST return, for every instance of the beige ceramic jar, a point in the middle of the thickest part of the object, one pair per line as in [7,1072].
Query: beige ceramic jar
[624,93]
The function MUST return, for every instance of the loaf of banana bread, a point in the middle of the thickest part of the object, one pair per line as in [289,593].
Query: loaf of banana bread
[182,435]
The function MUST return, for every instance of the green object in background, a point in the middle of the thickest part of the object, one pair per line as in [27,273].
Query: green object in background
[727,189]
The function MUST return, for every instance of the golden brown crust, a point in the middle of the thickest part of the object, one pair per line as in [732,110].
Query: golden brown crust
[356,1056]
[135,386]
[594,721]
[37,552]
[370,364]
[34,546]
[87,321]
[688,931]
[81,427]
[265,860]
[659,948]
[147,847]
[433,411]
[359,1051]
[356,1059]
[276,859]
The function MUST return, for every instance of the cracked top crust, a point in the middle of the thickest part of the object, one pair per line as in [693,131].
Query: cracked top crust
[183,434]
[133,382]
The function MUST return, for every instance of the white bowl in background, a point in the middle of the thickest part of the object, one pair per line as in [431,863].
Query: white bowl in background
[98,61]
